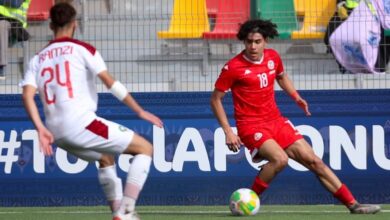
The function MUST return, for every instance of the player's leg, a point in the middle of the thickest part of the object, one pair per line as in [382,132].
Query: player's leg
[138,172]
[277,161]
[121,140]
[107,175]
[301,152]
[110,182]
[259,139]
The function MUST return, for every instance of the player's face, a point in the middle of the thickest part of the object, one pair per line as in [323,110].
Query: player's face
[254,46]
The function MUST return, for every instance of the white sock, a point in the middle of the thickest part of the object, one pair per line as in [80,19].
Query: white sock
[127,205]
[112,186]
[138,172]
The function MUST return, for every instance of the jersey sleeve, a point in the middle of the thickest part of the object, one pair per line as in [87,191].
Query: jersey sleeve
[225,79]
[30,74]
[95,63]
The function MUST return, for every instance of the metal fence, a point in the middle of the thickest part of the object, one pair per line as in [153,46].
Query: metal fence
[126,32]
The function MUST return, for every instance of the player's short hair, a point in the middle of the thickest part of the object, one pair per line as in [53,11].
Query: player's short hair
[263,27]
[62,14]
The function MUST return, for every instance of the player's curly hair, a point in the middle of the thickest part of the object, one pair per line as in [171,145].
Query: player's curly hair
[264,27]
[62,14]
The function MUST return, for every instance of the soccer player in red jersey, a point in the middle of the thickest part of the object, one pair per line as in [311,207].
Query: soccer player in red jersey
[64,75]
[261,127]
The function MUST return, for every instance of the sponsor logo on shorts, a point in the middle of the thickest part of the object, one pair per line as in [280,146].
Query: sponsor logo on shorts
[257,136]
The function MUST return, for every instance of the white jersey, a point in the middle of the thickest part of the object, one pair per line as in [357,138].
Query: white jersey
[65,73]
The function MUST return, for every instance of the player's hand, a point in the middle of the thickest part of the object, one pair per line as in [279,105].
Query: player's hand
[303,104]
[151,118]
[233,142]
[46,139]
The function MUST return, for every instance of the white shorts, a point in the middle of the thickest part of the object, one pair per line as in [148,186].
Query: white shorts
[101,136]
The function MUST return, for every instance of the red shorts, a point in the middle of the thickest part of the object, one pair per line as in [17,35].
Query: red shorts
[281,130]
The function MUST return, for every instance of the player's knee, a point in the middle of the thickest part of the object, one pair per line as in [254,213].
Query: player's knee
[316,164]
[280,162]
[283,161]
[139,145]
[148,150]
[106,161]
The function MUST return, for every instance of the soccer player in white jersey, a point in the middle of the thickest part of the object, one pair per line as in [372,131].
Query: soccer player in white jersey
[64,74]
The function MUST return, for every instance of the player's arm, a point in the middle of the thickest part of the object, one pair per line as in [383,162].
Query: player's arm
[232,140]
[286,84]
[45,136]
[121,93]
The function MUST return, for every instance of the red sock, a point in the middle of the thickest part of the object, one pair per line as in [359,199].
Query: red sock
[345,196]
[259,185]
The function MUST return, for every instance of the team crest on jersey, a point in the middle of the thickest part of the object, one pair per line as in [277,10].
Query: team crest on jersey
[271,65]
[122,128]
[257,136]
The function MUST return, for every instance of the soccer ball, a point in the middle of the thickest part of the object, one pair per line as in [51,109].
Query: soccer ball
[244,202]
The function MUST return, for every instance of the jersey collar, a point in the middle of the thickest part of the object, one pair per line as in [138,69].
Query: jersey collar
[251,61]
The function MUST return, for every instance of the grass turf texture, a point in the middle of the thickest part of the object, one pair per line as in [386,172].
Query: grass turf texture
[267,212]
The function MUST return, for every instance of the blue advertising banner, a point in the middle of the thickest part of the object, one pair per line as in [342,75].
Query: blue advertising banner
[348,129]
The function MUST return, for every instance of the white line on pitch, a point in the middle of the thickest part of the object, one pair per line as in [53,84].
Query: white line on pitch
[171,212]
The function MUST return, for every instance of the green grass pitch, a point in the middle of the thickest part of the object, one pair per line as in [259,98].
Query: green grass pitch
[267,212]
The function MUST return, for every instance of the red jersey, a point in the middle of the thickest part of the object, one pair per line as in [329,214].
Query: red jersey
[252,86]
